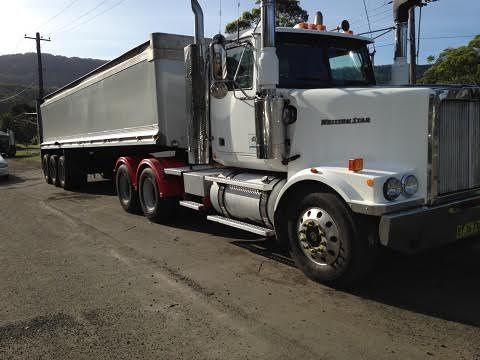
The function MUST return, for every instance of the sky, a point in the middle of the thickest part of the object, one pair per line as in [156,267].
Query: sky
[104,29]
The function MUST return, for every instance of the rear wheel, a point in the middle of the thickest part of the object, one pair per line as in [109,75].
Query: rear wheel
[127,195]
[325,242]
[46,168]
[154,207]
[62,172]
[53,170]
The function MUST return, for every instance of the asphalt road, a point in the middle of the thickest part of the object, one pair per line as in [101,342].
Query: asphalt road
[81,279]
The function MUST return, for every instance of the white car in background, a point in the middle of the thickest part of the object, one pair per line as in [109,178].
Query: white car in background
[3,168]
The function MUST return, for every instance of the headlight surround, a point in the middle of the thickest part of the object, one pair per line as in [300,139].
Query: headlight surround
[409,185]
[392,189]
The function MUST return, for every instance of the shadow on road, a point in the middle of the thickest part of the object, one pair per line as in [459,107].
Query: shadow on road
[99,186]
[11,180]
[441,283]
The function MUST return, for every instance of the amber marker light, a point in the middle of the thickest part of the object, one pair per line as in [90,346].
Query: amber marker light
[355,165]
[370,182]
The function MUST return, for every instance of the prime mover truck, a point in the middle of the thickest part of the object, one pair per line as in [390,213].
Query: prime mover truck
[281,132]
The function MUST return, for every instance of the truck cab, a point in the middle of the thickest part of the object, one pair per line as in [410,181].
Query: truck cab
[308,59]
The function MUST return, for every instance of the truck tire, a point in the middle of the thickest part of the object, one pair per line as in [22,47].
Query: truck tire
[127,195]
[53,169]
[46,168]
[61,172]
[155,208]
[325,242]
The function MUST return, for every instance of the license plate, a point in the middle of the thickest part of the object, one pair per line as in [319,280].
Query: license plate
[468,230]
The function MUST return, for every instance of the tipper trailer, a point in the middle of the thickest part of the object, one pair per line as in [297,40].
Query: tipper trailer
[280,132]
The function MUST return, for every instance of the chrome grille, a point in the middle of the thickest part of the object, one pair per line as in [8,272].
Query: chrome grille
[458,146]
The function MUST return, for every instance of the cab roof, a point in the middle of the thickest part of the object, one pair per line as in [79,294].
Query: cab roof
[250,32]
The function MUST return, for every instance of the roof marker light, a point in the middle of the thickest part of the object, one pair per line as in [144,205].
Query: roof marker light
[355,165]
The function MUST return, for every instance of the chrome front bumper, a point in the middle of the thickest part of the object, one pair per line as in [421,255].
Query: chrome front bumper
[428,227]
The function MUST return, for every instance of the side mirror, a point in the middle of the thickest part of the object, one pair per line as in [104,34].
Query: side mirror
[218,59]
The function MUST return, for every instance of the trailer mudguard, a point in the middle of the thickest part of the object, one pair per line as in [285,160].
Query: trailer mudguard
[169,186]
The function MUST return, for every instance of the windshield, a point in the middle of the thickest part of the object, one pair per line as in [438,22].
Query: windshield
[308,62]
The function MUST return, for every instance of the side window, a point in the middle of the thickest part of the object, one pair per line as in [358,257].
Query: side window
[245,72]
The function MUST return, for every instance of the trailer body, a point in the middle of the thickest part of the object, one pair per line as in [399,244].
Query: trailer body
[131,100]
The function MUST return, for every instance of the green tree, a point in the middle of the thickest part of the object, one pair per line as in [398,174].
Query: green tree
[6,121]
[456,66]
[289,13]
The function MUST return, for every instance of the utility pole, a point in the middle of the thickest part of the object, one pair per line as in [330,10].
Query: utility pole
[413,44]
[41,90]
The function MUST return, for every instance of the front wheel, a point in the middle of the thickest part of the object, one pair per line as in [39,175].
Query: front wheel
[325,242]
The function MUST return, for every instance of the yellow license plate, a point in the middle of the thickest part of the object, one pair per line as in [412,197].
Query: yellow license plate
[468,230]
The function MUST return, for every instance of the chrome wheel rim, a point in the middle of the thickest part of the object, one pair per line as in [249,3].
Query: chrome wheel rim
[319,238]
[148,195]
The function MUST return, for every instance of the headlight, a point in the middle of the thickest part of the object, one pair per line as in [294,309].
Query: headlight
[392,189]
[409,185]
[3,165]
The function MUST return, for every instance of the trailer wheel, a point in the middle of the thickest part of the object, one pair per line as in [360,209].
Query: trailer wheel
[46,168]
[127,195]
[155,208]
[324,240]
[53,169]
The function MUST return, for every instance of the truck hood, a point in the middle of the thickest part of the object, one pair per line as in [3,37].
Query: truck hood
[386,126]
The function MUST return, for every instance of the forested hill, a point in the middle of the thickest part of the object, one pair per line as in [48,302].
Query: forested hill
[21,69]
[383,73]
[18,74]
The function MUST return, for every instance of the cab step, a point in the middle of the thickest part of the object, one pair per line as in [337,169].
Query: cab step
[192,205]
[242,225]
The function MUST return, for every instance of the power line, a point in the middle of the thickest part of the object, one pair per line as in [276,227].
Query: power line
[80,17]
[95,16]
[370,29]
[65,8]
[29,87]
[433,38]
[449,37]
[361,19]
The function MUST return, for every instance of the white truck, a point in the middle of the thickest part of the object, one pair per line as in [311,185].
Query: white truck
[280,132]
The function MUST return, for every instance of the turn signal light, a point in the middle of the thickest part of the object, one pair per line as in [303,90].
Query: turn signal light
[355,165]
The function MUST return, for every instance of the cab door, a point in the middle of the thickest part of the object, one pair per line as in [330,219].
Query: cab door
[233,117]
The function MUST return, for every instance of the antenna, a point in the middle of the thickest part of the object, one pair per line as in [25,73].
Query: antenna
[372,55]
[238,21]
[220,21]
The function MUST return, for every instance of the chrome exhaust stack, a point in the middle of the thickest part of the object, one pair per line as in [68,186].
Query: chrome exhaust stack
[400,70]
[270,128]
[198,130]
